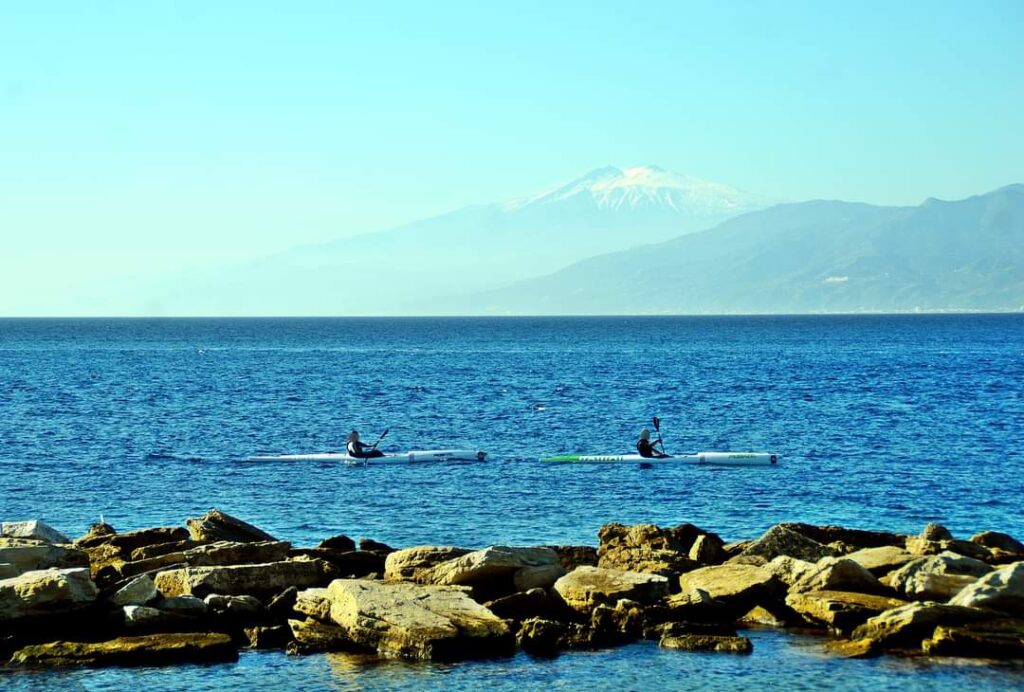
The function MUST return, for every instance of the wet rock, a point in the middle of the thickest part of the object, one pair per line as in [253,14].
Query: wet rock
[283,604]
[238,608]
[371,546]
[152,650]
[268,637]
[999,541]
[313,636]
[417,564]
[908,625]
[540,637]
[341,542]
[139,591]
[401,620]
[1001,590]
[937,577]
[779,540]
[853,538]
[586,587]
[854,648]
[614,626]
[573,556]
[524,605]
[652,549]
[704,642]
[936,532]
[263,580]
[697,605]
[997,639]
[28,554]
[838,574]
[43,592]
[737,588]
[33,529]
[218,526]
[881,561]
[841,611]
[759,615]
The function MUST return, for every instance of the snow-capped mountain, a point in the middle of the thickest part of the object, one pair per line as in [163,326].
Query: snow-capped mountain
[404,270]
[648,186]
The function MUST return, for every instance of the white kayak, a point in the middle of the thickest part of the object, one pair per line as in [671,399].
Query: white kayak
[701,458]
[414,456]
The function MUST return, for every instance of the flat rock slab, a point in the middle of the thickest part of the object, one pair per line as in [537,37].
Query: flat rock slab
[152,650]
[43,592]
[937,577]
[494,562]
[32,529]
[263,580]
[707,642]
[417,564]
[29,554]
[735,587]
[908,625]
[882,560]
[400,620]
[587,587]
[840,610]
[999,639]
[838,574]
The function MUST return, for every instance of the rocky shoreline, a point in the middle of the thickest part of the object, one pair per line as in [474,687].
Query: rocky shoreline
[201,592]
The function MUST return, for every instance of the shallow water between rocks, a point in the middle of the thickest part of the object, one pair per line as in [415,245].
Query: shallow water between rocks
[884,422]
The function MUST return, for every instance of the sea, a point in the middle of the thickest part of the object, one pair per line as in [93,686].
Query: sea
[880,422]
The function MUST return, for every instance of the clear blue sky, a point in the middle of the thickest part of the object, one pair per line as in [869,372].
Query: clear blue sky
[155,136]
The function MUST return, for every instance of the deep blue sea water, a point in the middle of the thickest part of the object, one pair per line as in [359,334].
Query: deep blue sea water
[884,422]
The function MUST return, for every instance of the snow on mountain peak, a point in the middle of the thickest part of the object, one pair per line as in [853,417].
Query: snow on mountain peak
[646,186]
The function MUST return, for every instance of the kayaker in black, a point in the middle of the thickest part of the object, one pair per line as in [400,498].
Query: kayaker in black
[646,449]
[360,450]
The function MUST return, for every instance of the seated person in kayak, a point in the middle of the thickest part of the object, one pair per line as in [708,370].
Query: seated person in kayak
[360,450]
[646,449]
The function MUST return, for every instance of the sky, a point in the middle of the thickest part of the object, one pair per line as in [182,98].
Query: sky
[142,137]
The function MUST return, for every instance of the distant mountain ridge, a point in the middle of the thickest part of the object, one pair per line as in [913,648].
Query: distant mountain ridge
[406,269]
[819,256]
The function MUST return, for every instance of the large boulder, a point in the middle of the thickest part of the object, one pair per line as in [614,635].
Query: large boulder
[881,560]
[994,540]
[935,532]
[541,637]
[138,591]
[156,649]
[340,542]
[34,529]
[494,568]
[215,525]
[923,545]
[787,569]
[28,554]
[734,587]
[417,564]
[586,587]
[129,541]
[236,553]
[400,620]
[838,574]
[841,611]
[654,549]
[45,592]
[157,549]
[778,540]
[994,639]
[262,580]
[314,603]
[1001,590]
[313,636]
[908,625]
[937,577]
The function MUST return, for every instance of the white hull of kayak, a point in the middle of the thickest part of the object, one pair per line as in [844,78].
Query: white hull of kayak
[415,456]
[699,459]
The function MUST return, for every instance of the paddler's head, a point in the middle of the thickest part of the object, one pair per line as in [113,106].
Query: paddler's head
[645,434]
[353,436]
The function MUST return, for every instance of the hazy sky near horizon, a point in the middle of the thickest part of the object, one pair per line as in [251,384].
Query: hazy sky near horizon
[141,137]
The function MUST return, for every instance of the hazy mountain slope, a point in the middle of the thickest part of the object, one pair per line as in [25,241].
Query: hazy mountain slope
[807,257]
[405,269]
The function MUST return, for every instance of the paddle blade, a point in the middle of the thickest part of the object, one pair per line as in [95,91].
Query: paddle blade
[657,424]
[385,433]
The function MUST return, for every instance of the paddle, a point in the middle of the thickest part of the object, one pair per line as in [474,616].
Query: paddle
[384,434]
[657,429]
